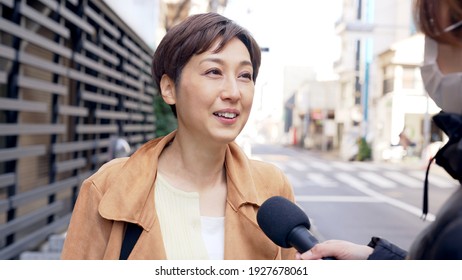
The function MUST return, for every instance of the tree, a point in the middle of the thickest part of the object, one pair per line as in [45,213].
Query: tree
[165,120]
[364,151]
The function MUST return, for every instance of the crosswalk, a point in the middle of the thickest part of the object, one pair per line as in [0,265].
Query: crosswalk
[325,174]
[377,179]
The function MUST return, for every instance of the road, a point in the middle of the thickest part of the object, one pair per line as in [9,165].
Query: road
[357,200]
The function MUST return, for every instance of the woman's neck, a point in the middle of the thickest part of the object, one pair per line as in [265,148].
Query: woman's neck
[193,166]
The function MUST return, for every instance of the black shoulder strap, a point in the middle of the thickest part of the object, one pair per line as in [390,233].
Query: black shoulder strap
[132,233]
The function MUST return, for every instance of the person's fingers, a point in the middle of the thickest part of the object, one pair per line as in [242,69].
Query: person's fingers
[309,255]
[338,249]
[329,248]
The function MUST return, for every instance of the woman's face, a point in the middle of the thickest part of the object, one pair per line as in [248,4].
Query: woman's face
[215,93]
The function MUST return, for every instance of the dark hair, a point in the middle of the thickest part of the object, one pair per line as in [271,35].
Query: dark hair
[193,36]
[432,22]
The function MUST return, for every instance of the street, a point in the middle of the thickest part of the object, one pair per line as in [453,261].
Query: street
[357,200]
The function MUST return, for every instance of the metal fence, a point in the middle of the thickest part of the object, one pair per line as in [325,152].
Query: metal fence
[73,77]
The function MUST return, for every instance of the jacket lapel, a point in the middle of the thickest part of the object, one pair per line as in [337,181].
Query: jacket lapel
[243,237]
[131,195]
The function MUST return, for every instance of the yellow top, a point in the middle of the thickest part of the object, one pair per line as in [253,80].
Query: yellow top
[180,222]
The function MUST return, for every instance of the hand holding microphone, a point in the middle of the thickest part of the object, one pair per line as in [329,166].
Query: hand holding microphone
[286,224]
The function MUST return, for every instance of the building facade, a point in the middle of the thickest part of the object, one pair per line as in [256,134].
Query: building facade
[313,115]
[366,28]
[403,126]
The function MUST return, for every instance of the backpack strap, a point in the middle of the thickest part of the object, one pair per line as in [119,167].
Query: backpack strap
[132,233]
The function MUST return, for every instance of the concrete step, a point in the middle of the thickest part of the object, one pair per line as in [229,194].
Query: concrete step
[50,250]
[37,255]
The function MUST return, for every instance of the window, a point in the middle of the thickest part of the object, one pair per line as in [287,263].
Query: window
[409,79]
[388,79]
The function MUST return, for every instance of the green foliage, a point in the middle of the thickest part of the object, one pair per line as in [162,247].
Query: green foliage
[165,120]
[364,150]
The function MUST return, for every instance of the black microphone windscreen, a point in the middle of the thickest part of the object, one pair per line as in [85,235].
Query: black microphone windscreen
[278,216]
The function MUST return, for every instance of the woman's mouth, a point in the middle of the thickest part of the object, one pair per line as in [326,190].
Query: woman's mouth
[226,115]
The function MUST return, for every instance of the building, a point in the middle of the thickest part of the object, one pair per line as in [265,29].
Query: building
[404,108]
[313,115]
[366,28]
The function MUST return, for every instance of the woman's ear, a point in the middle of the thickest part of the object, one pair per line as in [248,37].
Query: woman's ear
[167,89]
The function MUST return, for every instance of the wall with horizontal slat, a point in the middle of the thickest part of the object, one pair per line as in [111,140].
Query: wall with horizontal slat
[74,77]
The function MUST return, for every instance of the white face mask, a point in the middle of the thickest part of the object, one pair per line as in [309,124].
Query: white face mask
[444,89]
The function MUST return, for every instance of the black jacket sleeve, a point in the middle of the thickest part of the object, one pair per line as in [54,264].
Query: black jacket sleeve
[384,250]
[448,246]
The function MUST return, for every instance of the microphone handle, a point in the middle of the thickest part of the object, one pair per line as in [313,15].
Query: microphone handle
[302,240]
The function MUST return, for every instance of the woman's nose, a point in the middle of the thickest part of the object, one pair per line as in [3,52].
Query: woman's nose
[231,90]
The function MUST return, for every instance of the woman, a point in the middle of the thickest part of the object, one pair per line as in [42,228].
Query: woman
[194,192]
[441,22]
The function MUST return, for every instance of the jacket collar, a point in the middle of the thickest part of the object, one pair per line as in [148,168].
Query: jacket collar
[241,187]
[130,194]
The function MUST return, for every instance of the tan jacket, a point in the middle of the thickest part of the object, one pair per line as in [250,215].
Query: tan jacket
[122,191]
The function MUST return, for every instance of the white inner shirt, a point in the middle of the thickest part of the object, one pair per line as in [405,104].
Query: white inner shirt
[213,233]
[186,234]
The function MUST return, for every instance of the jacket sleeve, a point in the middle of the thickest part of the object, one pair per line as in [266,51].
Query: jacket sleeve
[384,250]
[448,245]
[88,233]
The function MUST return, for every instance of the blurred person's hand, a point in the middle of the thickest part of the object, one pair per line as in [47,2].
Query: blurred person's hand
[338,249]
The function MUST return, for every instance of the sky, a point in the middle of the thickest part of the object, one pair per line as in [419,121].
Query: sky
[297,32]
[140,15]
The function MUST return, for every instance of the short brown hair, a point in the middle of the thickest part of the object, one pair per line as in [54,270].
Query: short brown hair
[195,35]
[430,19]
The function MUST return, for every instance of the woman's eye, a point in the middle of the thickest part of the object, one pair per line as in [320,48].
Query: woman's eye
[213,72]
[247,76]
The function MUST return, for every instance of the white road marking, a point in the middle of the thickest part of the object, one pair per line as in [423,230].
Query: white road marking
[377,180]
[345,166]
[404,179]
[435,180]
[321,180]
[321,166]
[336,198]
[362,187]
[297,165]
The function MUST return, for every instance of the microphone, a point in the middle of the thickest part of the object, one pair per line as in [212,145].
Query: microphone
[286,224]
